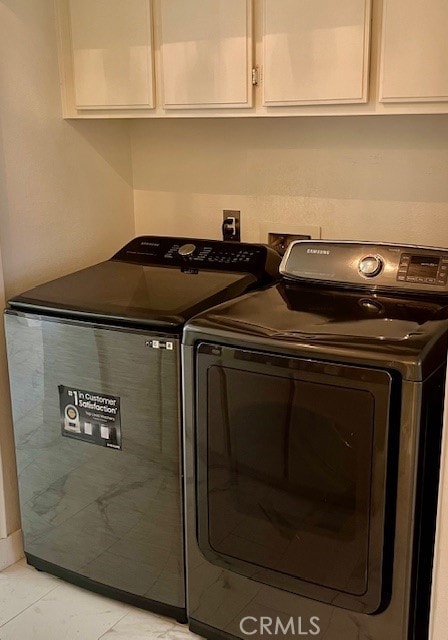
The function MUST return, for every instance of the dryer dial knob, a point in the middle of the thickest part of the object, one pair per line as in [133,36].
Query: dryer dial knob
[186,250]
[370,266]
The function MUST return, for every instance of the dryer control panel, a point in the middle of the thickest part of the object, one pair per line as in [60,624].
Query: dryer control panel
[368,265]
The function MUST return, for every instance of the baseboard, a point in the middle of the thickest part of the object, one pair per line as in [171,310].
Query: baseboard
[11,549]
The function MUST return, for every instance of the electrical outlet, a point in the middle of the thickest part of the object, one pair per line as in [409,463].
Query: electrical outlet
[231,225]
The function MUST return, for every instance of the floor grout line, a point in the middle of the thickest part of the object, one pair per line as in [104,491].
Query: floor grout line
[30,605]
[115,623]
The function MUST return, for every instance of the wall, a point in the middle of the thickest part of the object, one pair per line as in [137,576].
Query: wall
[68,184]
[65,188]
[382,178]
[10,539]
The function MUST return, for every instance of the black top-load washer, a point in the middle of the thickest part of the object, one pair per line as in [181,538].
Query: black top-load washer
[94,365]
[313,420]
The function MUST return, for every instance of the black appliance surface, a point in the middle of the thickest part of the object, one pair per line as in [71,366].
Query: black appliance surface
[300,317]
[148,282]
[95,377]
[313,421]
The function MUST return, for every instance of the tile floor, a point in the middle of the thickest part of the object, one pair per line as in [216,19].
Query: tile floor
[37,606]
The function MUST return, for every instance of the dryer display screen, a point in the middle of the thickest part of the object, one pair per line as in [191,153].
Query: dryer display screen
[423,266]
[423,269]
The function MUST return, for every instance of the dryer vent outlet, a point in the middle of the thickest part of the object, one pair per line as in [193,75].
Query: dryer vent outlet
[281,241]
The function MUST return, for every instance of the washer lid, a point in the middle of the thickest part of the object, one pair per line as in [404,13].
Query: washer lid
[115,291]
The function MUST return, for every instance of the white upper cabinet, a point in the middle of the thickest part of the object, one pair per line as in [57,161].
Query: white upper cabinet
[111,43]
[206,53]
[414,64]
[235,58]
[315,51]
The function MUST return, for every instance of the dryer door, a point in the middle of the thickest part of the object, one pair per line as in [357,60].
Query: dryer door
[292,473]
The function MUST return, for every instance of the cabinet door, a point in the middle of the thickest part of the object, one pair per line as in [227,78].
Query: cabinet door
[112,53]
[206,53]
[414,65]
[315,51]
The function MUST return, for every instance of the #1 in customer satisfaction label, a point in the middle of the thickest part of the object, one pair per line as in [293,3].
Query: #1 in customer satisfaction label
[90,416]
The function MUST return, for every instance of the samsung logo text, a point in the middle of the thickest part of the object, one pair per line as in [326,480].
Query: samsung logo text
[320,252]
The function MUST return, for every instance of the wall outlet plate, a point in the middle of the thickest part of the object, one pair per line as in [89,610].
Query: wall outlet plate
[231,225]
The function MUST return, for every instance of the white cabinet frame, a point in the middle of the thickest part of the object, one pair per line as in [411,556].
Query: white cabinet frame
[73,100]
[419,47]
[372,77]
[174,93]
[324,47]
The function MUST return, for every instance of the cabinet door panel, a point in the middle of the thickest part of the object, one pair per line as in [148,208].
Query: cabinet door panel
[206,53]
[112,53]
[315,51]
[414,65]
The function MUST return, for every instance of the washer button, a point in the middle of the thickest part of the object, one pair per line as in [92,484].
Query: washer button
[186,250]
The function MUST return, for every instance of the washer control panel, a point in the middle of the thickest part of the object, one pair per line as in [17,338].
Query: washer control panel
[190,253]
[368,265]
[212,254]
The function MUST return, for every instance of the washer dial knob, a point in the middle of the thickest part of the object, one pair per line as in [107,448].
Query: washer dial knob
[186,250]
[370,266]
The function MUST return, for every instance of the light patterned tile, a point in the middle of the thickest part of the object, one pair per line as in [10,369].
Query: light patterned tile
[178,633]
[37,606]
[67,613]
[139,625]
[143,625]
[20,586]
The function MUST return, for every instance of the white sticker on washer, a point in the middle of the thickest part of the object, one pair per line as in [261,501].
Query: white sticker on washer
[104,432]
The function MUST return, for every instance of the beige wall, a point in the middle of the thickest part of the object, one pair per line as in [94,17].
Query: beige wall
[65,188]
[9,520]
[67,185]
[383,178]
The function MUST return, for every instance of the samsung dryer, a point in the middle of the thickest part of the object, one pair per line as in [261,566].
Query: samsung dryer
[313,420]
[94,365]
